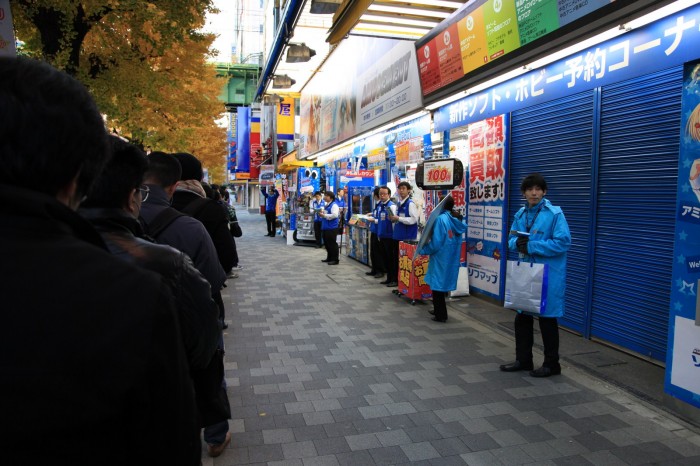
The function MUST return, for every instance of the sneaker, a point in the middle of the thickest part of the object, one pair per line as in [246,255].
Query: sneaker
[217,450]
[237,267]
[233,275]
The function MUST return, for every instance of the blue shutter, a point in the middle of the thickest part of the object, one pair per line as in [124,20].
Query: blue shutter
[556,140]
[636,199]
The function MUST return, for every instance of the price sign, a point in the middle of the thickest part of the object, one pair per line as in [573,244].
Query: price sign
[439,174]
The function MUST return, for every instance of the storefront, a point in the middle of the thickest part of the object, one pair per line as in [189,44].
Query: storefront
[603,127]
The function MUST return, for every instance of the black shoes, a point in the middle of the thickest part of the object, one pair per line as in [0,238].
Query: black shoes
[379,275]
[370,273]
[435,319]
[432,313]
[333,262]
[384,282]
[546,371]
[325,260]
[390,284]
[517,366]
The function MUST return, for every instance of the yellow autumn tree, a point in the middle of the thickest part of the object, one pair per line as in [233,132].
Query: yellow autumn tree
[145,64]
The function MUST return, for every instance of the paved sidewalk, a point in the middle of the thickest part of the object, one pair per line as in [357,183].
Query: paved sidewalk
[327,367]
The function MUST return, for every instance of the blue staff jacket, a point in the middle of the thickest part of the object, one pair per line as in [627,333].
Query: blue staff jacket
[548,243]
[444,248]
[270,200]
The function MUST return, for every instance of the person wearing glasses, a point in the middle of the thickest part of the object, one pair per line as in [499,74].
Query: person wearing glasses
[93,364]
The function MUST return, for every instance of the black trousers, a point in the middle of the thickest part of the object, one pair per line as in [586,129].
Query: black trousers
[376,254]
[439,304]
[271,219]
[524,339]
[318,232]
[391,258]
[331,242]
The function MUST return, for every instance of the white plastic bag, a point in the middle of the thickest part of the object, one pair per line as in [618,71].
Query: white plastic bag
[462,283]
[526,286]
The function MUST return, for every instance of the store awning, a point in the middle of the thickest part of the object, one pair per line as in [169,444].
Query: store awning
[290,162]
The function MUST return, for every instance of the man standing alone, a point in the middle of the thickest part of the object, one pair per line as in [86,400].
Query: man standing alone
[271,196]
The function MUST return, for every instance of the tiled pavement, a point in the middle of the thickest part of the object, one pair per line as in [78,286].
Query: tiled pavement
[327,367]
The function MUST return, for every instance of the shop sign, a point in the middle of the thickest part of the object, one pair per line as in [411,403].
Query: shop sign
[285,120]
[486,199]
[668,42]
[487,30]
[376,159]
[267,175]
[683,357]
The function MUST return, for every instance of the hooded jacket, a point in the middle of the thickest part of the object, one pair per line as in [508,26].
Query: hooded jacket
[548,243]
[444,247]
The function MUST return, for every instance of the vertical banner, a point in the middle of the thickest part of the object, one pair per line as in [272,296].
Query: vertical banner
[243,143]
[683,357]
[232,136]
[256,149]
[7,33]
[285,120]
[486,211]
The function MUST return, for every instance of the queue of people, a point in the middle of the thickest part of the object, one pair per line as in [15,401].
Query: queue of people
[104,223]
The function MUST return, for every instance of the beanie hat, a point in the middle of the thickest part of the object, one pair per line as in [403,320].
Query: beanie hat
[191,167]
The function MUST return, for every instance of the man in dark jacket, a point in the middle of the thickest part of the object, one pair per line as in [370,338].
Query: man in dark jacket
[113,209]
[188,235]
[189,197]
[92,366]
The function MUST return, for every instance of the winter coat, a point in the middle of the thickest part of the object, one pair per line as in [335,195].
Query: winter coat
[444,247]
[215,220]
[188,235]
[548,243]
[199,314]
[90,348]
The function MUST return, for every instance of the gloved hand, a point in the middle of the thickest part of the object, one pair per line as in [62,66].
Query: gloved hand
[521,244]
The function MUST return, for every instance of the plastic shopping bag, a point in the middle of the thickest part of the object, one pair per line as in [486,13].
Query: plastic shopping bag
[526,286]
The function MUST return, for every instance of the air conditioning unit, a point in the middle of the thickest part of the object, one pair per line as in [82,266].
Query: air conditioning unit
[299,53]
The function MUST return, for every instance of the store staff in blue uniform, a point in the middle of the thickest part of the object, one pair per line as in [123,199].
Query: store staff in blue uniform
[385,232]
[316,204]
[330,223]
[405,228]
[271,196]
[340,200]
[376,254]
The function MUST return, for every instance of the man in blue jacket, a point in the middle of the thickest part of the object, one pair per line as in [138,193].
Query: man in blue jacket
[548,241]
[443,247]
[271,196]
[405,221]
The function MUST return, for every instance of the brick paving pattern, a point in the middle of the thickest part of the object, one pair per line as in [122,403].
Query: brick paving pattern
[327,367]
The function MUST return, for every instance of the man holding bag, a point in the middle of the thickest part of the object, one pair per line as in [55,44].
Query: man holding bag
[541,235]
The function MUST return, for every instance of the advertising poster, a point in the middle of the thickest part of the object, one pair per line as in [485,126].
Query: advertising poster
[267,175]
[376,159]
[412,273]
[486,211]
[472,40]
[309,180]
[256,157]
[501,28]
[683,357]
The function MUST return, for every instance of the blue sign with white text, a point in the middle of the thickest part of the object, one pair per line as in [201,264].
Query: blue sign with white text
[668,42]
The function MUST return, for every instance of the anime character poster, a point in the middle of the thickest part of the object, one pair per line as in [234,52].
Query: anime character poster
[485,201]
[683,357]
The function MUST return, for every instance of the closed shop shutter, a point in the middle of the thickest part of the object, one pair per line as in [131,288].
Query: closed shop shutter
[636,199]
[556,140]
